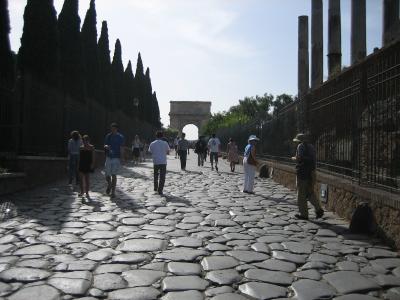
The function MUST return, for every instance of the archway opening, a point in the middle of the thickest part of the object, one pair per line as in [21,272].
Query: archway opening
[191,131]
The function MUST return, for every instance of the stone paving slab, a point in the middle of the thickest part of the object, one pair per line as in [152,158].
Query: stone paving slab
[203,239]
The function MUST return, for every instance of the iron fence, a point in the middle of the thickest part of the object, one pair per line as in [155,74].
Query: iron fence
[353,118]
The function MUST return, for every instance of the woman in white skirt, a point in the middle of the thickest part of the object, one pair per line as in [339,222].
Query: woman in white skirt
[250,164]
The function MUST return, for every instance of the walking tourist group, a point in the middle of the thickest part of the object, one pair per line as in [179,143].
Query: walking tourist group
[81,154]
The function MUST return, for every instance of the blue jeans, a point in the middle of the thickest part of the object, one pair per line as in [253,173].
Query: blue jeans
[73,167]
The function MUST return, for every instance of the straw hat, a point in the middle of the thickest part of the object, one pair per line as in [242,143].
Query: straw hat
[301,137]
[253,138]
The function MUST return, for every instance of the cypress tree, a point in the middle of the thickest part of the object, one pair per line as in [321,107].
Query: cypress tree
[117,68]
[156,111]
[140,88]
[106,85]
[90,56]
[129,81]
[148,98]
[39,51]
[7,71]
[71,62]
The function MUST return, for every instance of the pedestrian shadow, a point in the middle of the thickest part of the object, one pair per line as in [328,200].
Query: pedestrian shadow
[49,205]
[175,199]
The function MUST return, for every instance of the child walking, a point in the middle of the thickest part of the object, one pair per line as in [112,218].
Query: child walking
[86,164]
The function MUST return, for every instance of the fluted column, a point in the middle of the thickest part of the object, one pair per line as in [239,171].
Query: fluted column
[358,31]
[317,58]
[390,26]
[334,38]
[303,61]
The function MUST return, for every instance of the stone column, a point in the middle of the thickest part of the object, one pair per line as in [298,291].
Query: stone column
[303,62]
[358,31]
[317,60]
[334,38]
[390,26]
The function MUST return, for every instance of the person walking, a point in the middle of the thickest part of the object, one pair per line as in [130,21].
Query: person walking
[305,174]
[183,149]
[113,146]
[136,150]
[159,150]
[250,164]
[200,148]
[74,144]
[86,164]
[233,156]
[214,147]
[176,142]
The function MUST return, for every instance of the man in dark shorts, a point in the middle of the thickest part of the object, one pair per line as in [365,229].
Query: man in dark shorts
[214,147]
[113,146]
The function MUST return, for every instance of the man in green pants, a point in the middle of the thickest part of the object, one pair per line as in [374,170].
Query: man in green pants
[305,165]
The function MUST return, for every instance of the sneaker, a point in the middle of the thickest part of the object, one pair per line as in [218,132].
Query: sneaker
[319,213]
[300,217]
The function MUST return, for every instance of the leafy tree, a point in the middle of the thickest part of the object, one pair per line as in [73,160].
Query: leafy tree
[106,84]
[71,61]
[117,69]
[39,51]
[281,101]
[7,71]
[90,53]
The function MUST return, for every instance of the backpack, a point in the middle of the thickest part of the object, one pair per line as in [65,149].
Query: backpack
[362,220]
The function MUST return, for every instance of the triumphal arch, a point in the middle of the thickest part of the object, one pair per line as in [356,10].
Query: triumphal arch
[183,113]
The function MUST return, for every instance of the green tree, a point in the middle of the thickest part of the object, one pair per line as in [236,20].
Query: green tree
[71,61]
[156,112]
[106,84]
[148,98]
[90,53]
[280,102]
[117,69]
[129,81]
[7,71]
[140,88]
[39,51]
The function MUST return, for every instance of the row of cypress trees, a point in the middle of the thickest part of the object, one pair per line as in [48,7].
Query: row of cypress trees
[72,58]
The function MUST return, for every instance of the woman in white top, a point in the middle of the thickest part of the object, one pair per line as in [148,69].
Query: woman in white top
[136,149]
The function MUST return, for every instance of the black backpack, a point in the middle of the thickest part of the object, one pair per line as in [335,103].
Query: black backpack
[362,220]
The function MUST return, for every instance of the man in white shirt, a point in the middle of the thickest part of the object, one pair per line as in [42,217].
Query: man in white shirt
[214,147]
[159,150]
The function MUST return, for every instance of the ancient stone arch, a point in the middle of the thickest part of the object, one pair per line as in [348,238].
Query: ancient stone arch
[183,113]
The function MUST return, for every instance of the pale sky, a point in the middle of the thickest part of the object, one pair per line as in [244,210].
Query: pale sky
[212,50]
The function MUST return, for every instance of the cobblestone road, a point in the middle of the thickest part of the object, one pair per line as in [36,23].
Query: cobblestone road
[202,240]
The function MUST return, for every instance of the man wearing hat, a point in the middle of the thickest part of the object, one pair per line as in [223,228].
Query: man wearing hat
[305,165]
[250,164]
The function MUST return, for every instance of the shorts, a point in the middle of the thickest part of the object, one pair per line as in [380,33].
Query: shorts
[214,155]
[112,166]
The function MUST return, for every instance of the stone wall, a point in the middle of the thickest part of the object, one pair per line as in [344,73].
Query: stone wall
[343,196]
[35,171]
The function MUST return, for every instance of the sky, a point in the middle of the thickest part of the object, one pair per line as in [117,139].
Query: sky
[212,50]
